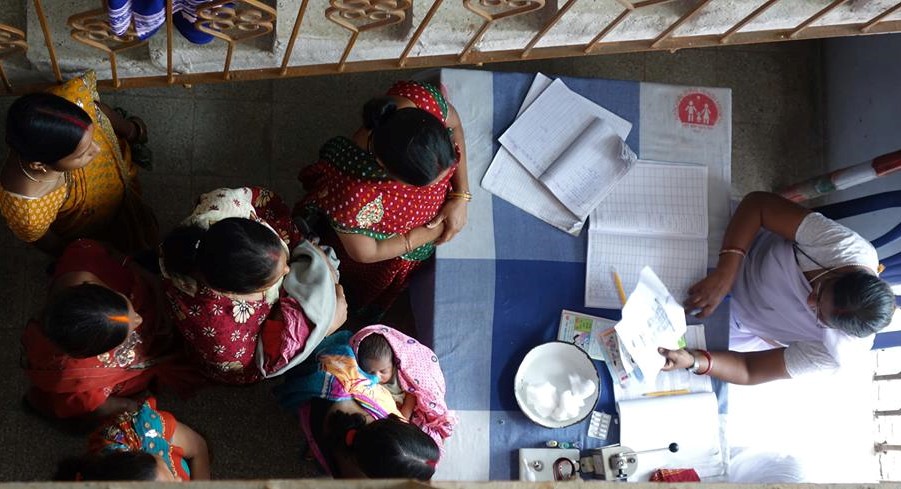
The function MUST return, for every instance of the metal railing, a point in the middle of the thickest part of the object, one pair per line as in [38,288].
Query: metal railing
[238,21]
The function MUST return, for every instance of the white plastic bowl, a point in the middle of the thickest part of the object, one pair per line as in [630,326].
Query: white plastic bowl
[553,362]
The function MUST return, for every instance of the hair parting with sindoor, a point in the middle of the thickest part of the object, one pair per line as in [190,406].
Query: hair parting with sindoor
[85,320]
[45,128]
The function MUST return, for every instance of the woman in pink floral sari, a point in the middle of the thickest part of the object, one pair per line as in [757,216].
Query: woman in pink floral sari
[223,270]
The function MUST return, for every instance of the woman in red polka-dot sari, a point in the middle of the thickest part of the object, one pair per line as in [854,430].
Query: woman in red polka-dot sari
[390,193]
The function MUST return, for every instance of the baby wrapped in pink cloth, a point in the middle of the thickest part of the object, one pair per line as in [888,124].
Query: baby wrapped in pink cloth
[410,370]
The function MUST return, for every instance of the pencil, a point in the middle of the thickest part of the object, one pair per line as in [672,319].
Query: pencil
[666,393]
[619,286]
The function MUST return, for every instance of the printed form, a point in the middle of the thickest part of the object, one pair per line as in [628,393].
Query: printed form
[656,216]
[509,179]
[573,148]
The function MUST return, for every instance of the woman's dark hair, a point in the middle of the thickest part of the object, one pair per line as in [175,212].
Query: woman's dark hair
[86,320]
[388,448]
[115,466]
[412,144]
[234,255]
[44,127]
[862,303]
[373,347]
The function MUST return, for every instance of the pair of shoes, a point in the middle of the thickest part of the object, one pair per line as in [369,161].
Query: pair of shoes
[140,152]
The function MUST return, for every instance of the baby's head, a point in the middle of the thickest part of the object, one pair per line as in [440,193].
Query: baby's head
[376,357]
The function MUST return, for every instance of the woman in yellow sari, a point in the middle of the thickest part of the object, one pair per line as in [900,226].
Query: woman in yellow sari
[69,172]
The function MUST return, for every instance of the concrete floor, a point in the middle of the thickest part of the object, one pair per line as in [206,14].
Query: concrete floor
[262,132]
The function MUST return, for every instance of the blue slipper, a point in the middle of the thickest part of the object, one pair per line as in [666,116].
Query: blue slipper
[188,31]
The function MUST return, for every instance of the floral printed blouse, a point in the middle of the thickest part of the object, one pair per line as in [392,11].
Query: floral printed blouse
[222,332]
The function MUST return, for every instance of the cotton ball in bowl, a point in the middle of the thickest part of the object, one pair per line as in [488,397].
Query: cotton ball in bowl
[542,398]
[568,407]
[556,385]
[581,387]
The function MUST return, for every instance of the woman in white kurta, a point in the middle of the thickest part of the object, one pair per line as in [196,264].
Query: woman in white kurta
[806,296]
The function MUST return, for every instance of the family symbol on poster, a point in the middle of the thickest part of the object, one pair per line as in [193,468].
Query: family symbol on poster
[698,109]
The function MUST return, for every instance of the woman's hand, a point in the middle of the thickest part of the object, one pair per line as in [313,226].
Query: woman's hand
[406,409]
[195,450]
[707,294]
[676,359]
[340,310]
[454,215]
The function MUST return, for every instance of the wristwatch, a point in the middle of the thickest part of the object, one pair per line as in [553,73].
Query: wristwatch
[695,364]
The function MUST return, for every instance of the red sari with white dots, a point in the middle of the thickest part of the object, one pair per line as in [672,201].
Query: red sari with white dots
[351,189]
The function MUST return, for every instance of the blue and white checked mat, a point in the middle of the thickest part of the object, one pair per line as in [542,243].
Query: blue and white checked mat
[497,289]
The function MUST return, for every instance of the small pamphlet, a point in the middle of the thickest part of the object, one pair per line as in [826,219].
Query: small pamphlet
[598,338]
[652,318]
[584,331]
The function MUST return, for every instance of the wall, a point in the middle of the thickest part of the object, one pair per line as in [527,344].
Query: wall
[863,118]
[863,104]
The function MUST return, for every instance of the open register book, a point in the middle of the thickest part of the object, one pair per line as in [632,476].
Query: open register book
[578,160]
[678,407]
[655,216]
[555,153]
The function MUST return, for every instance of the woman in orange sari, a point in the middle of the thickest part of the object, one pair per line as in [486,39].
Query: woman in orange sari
[101,338]
[69,173]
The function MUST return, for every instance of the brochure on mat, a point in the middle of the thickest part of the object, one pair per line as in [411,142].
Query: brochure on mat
[597,337]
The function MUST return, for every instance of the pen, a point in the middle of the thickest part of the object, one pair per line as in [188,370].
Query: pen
[619,286]
[666,393]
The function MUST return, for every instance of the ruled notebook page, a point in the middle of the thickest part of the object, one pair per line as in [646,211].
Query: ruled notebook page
[679,262]
[656,199]
[655,216]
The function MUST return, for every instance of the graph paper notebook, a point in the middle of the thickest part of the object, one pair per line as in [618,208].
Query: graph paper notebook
[655,216]
[569,147]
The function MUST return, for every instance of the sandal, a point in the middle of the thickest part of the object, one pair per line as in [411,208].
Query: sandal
[141,154]
[141,137]
[140,151]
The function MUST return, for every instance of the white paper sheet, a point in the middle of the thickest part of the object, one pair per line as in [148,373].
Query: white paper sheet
[679,262]
[656,199]
[550,125]
[669,383]
[655,216]
[509,180]
[585,173]
[689,420]
[651,318]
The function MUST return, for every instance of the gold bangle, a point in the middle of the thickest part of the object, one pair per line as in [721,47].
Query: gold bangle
[460,195]
[736,251]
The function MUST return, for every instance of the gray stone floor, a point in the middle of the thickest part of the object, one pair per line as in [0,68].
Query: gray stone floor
[263,132]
